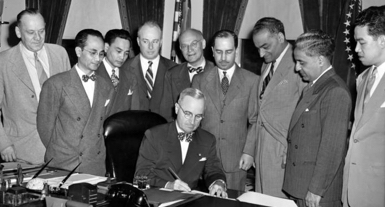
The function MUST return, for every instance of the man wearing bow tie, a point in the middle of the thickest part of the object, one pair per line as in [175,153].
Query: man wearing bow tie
[117,46]
[180,145]
[72,110]
[192,44]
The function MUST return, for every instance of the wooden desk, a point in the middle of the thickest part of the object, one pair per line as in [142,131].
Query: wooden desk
[213,201]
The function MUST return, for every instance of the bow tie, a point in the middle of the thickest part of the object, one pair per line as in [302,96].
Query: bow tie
[182,135]
[86,77]
[198,69]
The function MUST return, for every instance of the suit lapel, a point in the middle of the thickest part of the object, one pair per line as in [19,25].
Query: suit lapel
[374,102]
[136,68]
[77,94]
[192,158]
[235,85]
[183,77]
[20,68]
[212,84]
[102,72]
[173,147]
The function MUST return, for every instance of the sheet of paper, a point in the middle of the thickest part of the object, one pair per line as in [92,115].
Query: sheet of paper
[76,178]
[266,200]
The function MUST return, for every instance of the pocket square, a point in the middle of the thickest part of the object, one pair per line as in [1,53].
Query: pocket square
[306,110]
[383,105]
[130,92]
[283,82]
[202,159]
[107,101]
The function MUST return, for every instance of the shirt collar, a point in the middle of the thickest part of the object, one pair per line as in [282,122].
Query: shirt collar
[29,53]
[108,66]
[330,67]
[278,60]
[229,72]
[155,61]
[81,73]
[203,64]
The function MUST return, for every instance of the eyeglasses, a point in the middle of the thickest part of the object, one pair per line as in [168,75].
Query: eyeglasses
[189,115]
[94,53]
[193,45]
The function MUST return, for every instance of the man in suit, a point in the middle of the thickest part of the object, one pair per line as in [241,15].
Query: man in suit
[192,44]
[180,145]
[230,105]
[364,172]
[72,110]
[23,70]
[319,126]
[278,92]
[117,46]
[149,67]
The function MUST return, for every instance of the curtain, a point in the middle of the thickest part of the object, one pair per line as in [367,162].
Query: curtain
[133,13]
[221,14]
[55,14]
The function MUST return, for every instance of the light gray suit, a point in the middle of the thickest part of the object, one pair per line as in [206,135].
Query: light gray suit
[268,142]
[364,172]
[19,102]
[69,127]
[227,117]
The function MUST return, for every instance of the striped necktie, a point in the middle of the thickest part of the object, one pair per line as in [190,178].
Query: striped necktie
[268,77]
[114,78]
[40,70]
[225,83]
[149,80]
[370,84]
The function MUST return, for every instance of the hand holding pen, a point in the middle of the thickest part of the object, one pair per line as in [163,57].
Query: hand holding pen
[177,184]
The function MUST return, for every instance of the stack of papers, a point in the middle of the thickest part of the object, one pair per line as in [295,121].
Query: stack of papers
[265,200]
[76,178]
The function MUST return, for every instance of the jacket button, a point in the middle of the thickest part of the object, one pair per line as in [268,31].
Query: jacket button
[293,163]
[296,146]
[262,125]
[33,96]
[78,119]
[81,154]
[101,118]
[289,141]
[222,121]
[98,135]
[355,140]
[302,125]
[81,137]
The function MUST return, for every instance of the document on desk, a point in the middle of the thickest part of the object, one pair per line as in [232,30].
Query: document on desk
[76,178]
[12,166]
[265,200]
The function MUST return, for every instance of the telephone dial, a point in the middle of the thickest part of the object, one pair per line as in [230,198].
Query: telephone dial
[123,194]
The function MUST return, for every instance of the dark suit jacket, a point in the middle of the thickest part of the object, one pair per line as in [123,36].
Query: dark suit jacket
[135,67]
[228,119]
[161,149]
[126,96]
[176,80]
[317,140]
[69,128]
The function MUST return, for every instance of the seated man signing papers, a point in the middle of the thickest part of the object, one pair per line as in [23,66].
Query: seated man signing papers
[181,147]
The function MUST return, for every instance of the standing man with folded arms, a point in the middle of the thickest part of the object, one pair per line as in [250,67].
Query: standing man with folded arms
[23,70]
[230,105]
[149,67]
[192,44]
[72,110]
[278,92]
[364,172]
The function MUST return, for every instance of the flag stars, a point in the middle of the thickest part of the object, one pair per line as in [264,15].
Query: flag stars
[348,49]
[351,6]
[350,57]
[346,32]
[347,23]
[349,15]
[346,40]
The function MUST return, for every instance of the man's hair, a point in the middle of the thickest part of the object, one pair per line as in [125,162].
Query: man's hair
[115,33]
[192,92]
[150,24]
[30,11]
[225,34]
[82,36]
[273,25]
[374,18]
[197,32]
[316,43]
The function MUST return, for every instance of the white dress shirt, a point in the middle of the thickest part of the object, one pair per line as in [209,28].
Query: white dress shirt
[89,86]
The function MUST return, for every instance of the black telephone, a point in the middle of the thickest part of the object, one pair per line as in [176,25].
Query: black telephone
[125,195]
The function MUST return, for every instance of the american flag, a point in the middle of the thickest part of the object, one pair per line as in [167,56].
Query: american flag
[182,21]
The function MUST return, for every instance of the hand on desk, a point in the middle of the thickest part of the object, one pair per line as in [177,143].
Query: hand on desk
[218,189]
[8,154]
[178,185]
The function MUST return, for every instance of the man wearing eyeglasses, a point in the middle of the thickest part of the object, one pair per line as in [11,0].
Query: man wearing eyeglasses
[72,110]
[192,44]
[181,147]
[149,67]
[117,46]
[23,70]
[230,105]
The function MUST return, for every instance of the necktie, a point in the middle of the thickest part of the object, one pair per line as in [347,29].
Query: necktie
[114,78]
[89,77]
[369,86]
[149,79]
[185,136]
[198,69]
[225,83]
[40,70]
[267,78]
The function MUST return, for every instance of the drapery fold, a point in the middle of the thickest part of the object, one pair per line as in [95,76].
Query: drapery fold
[55,14]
